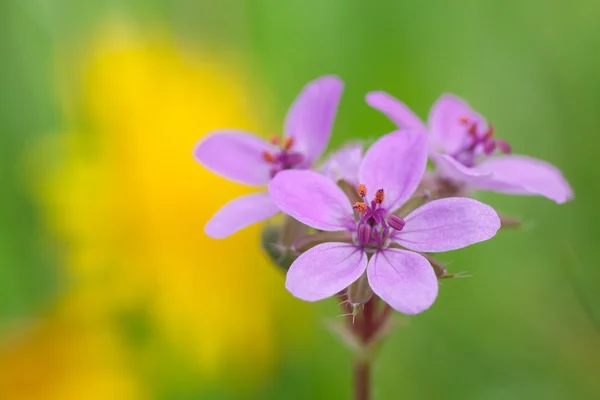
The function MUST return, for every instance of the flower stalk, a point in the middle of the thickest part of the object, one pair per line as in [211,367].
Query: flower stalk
[367,328]
[362,380]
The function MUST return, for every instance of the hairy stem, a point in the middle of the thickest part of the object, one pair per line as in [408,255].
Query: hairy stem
[367,325]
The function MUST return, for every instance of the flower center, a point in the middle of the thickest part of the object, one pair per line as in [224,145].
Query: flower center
[479,142]
[374,224]
[284,157]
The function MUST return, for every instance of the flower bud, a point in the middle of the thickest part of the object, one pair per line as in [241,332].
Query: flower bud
[279,255]
[359,292]
[364,233]
[396,222]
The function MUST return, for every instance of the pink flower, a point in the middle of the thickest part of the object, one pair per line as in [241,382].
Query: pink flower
[248,159]
[389,174]
[462,144]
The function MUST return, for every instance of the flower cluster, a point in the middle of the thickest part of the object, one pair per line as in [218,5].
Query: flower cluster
[365,223]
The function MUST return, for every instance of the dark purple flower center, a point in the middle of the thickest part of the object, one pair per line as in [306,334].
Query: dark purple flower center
[479,143]
[375,223]
[284,158]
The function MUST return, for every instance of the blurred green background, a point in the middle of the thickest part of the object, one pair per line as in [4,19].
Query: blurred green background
[108,287]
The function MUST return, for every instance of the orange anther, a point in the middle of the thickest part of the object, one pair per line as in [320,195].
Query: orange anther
[379,196]
[274,140]
[288,143]
[268,157]
[360,207]
[463,120]
[361,190]
[473,130]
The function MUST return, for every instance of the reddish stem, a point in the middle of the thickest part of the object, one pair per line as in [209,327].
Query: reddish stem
[370,320]
[367,328]
[362,380]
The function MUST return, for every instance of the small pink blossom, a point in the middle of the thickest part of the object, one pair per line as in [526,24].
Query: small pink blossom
[384,245]
[248,159]
[467,153]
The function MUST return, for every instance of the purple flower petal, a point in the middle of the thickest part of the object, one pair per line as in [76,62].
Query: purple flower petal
[403,279]
[236,155]
[395,163]
[239,213]
[395,110]
[310,119]
[448,130]
[312,199]
[344,164]
[516,174]
[448,224]
[325,270]
[470,177]
[449,168]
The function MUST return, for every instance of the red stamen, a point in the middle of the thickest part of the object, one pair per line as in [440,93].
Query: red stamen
[463,120]
[274,140]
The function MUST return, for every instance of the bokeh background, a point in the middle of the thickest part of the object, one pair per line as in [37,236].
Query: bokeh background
[109,288]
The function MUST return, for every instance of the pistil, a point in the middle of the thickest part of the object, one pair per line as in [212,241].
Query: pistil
[480,142]
[284,158]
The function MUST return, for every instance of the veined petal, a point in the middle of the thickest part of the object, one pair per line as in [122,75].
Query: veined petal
[448,224]
[236,155]
[515,174]
[449,168]
[396,163]
[325,270]
[312,199]
[239,213]
[470,177]
[403,279]
[344,164]
[446,126]
[310,119]
[395,110]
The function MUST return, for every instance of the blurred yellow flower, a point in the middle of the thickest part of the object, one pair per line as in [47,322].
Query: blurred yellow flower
[129,204]
[70,355]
